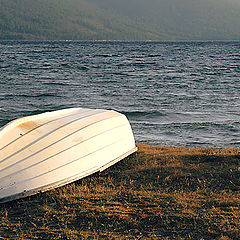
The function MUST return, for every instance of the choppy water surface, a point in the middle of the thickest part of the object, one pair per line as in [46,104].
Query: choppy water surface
[173,93]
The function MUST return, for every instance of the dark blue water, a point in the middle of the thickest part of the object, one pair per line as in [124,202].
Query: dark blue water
[173,93]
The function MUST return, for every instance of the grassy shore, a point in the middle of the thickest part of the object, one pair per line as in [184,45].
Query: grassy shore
[156,193]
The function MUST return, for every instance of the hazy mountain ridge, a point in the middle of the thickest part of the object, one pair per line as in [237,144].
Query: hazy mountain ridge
[182,19]
[63,19]
[120,20]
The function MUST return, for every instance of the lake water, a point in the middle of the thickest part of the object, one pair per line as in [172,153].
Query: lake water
[173,93]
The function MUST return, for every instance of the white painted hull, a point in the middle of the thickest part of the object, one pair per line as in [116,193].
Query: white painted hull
[44,151]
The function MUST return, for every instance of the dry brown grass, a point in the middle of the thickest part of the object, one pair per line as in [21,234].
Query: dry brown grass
[157,193]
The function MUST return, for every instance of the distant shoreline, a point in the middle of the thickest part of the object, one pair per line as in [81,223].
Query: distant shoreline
[120,41]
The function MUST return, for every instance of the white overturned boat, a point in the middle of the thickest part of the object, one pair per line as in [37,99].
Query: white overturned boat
[44,151]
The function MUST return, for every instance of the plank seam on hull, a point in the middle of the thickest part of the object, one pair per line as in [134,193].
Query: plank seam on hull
[42,137]
[49,133]
[86,126]
[75,160]
[89,110]
[38,116]
[108,130]
[45,188]
[61,182]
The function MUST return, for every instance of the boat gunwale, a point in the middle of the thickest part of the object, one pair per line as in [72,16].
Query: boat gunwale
[65,181]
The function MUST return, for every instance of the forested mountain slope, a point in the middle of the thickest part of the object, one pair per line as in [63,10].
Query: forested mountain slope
[120,20]
[181,19]
[65,19]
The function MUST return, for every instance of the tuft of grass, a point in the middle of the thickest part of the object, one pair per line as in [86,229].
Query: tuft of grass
[156,193]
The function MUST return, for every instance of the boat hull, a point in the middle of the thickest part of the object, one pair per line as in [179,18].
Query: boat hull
[45,151]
